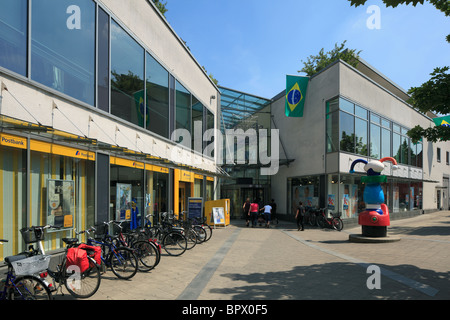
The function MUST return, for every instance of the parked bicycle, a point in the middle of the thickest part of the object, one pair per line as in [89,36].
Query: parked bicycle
[204,225]
[79,284]
[20,282]
[147,250]
[171,238]
[120,259]
[334,222]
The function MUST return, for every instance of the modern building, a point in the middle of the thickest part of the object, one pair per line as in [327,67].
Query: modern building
[349,114]
[91,94]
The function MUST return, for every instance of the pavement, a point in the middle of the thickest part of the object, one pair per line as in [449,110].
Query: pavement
[284,264]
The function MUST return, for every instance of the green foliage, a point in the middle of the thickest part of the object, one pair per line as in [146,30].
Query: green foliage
[315,63]
[161,6]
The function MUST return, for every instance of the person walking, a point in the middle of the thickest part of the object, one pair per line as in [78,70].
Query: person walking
[267,212]
[273,214]
[246,209]
[299,216]
[254,209]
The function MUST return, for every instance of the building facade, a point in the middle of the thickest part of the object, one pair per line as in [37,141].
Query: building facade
[103,115]
[349,114]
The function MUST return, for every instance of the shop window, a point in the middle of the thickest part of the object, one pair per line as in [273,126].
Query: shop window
[13,35]
[13,208]
[64,61]
[62,193]
[157,85]
[127,77]
[156,196]
[127,194]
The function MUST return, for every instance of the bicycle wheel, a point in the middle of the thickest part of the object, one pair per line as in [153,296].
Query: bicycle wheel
[29,288]
[191,237]
[82,285]
[201,233]
[123,262]
[147,255]
[338,224]
[208,230]
[321,221]
[174,243]
[312,219]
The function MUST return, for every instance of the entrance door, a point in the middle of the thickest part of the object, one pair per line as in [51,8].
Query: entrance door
[184,192]
[438,199]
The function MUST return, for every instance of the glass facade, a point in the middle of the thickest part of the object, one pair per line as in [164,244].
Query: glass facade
[92,58]
[354,129]
[157,86]
[13,35]
[64,61]
[127,76]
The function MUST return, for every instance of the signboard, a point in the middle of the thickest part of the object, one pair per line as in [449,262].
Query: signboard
[60,202]
[195,208]
[218,216]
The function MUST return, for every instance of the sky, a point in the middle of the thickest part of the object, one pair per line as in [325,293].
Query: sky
[251,45]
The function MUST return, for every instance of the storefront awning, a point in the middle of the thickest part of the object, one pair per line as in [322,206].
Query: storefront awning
[39,131]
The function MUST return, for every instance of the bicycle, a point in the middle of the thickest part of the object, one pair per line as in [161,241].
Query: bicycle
[171,238]
[334,222]
[122,260]
[20,282]
[79,284]
[147,251]
[204,225]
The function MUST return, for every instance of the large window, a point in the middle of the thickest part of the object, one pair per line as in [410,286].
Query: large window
[197,125]
[13,35]
[63,46]
[103,60]
[127,76]
[183,108]
[349,129]
[157,84]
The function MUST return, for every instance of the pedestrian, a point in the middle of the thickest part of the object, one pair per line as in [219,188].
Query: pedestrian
[267,211]
[299,216]
[254,209]
[273,214]
[246,209]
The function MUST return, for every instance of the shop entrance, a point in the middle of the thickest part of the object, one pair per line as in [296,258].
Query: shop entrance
[184,192]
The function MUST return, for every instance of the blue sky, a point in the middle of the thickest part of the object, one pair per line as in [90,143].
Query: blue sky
[250,45]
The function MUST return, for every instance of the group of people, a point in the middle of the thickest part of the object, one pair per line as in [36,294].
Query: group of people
[254,210]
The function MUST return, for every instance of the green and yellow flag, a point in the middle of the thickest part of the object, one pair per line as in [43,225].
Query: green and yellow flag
[442,121]
[296,87]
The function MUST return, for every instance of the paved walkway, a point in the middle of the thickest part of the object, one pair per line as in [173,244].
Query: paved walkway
[281,263]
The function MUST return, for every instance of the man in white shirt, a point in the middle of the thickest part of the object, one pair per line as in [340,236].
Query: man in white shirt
[267,210]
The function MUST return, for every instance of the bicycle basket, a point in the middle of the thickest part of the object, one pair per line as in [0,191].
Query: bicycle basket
[100,231]
[29,235]
[32,265]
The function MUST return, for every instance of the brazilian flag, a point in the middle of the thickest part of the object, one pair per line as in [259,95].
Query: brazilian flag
[442,121]
[296,87]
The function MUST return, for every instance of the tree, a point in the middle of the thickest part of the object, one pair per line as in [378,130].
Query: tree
[315,63]
[433,95]
[161,6]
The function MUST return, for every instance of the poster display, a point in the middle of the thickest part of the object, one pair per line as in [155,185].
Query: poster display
[60,203]
[123,201]
[218,215]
